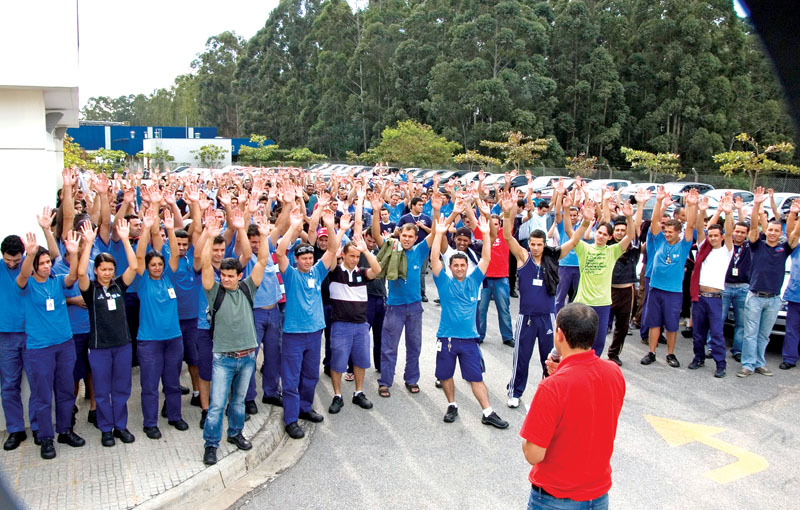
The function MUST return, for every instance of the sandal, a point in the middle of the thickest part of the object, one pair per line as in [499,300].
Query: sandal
[349,376]
[383,391]
[413,388]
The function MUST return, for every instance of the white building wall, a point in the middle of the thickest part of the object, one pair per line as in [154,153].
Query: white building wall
[181,149]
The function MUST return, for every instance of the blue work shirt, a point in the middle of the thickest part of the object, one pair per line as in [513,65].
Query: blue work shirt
[269,292]
[12,320]
[158,308]
[78,315]
[668,263]
[460,300]
[186,285]
[304,312]
[571,260]
[45,327]
[395,212]
[202,301]
[403,292]
[117,250]
[792,292]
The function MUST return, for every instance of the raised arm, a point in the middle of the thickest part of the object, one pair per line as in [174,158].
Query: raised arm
[702,207]
[334,241]
[123,231]
[642,196]
[775,210]
[26,269]
[101,185]
[439,229]
[67,201]
[630,232]
[89,235]
[211,231]
[263,252]
[174,253]
[45,220]
[141,249]
[758,200]
[691,201]
[509,211]
[655,221]
[484,224]
[295,223]
[377,205]
[726,206]
[794,234]
[588,213]
[72,242]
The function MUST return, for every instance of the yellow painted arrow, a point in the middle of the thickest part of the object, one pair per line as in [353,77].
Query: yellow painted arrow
[678,433]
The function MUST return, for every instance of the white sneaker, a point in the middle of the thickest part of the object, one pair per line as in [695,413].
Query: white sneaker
[513,402]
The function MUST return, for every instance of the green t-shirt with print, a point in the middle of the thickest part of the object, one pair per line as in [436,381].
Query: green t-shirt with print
[597,269]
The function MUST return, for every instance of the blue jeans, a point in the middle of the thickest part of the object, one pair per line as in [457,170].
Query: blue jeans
[111,375]
[408,316]
[12,347]
[760,315]
[497,289]
[269,330]
[227,374]
[50,374]
[546,502]
[735,294]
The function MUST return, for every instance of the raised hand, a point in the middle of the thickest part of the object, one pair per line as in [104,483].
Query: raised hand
[212,227]
[481,175]
[703,203]
[191,193]
[661,193]
[508,202]
[726,204]
[169,197]
[559,186]
[101,183]
[224,197]
[123,229]
[528,176]
[360,244]
[666,203]
[691,198]
[149,219]
[436,201]
[296,217]
[484,208]
[484,227]
[441,225]
[759,195]
[69,177]
[627,208]
[345,222]
[46,218]
[588,211]
[263,225]
[642,196]
[31,244]
[169,220]
[795,207]
[459,206]
[72,242]
[129,195]
[155,195]
[237,219]
[89,233]
[204,203]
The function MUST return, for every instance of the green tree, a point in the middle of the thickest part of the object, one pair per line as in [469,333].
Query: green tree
[304,155]
[74,155]
[755,161]
[209,155]
[261,153]
[581,165]
[218,103]
[519,149]
[662,163]
[158,158]
[412,143]
[476,159]
[106,160]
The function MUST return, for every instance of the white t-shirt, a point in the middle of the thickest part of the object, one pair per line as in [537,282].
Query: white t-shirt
[715,267]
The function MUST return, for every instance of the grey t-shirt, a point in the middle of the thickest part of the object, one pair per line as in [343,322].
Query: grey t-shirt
[234,329]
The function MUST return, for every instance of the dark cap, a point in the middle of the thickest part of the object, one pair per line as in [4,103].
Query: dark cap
[464,231]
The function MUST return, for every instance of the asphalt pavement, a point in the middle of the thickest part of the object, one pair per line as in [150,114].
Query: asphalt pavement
[721,443]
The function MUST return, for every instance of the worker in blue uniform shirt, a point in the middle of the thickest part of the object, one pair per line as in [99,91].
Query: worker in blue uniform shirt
[49,349]
[539,274]
[457,334]
[303,323]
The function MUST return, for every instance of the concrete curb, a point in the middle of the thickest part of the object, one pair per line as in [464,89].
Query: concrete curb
[213,480]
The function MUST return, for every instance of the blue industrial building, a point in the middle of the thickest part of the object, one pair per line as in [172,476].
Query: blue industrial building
[129,139]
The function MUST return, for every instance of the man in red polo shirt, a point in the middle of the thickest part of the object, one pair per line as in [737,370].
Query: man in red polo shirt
[570,428]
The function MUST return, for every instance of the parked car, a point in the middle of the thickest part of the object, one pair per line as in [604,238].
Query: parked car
[783,201]
[676,189]
[616,184]
[717,194]
[779,329]
[628,192]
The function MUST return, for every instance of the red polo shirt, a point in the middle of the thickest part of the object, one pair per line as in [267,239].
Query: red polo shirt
[498,266]
[574,416]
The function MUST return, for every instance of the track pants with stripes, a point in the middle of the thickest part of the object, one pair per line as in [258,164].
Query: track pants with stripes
[528,329]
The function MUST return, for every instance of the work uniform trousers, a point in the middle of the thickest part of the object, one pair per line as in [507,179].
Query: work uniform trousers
[603,313]
[111,375]
[707,325]
[299,372]
[376,311]
[408,316]
[160,360]
[568,279]
[12,366]
[528,330]
[792,339]
[50,372]
[269,330]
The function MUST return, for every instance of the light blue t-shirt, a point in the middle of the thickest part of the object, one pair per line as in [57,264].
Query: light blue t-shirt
[78,315]
[12,320]
[395,212]
[158,308]
[459,301]
[403,292]
[45,327]
[571,260]
[117,250]
[186,285]
[792,292]
[648,266]
[668,263]
[269,292]
[304,312]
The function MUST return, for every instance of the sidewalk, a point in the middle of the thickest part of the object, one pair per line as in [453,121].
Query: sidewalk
[164,473]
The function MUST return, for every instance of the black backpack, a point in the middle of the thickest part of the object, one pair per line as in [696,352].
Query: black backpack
[212,313]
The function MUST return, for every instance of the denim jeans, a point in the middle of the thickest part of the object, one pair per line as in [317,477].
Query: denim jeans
[12,347]
[497,289]
[408,316]
[760,315]
[735,294]
[538,501]
[227,374]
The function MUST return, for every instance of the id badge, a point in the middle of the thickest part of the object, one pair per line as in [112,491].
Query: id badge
[112,305]
[438,346]
[171,293]
[50,305]
[311,283]
[735,271]
[537,282]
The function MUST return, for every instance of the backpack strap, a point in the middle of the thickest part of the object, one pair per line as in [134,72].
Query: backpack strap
[246,291]
[217,304]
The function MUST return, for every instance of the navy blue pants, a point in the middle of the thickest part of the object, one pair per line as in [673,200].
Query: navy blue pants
[707,323]
[111,376]
[643,331]
[160,360]
[568,279]
[81,369]
[50,372]
[205,354]
[269,326]
[299,372]
[12,348]
[603,314]
[529,328]
[189,335]
[792,339]
[408,316]
[376,311]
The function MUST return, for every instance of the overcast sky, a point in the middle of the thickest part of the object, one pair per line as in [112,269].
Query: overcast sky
[137,47]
